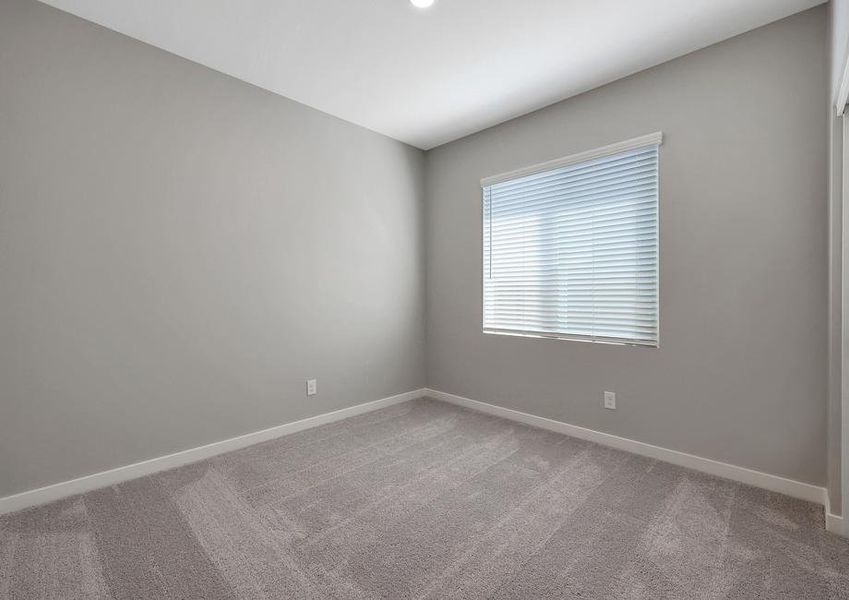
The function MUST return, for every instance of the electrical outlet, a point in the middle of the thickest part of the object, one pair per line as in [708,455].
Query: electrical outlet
[312,387]
[610,400]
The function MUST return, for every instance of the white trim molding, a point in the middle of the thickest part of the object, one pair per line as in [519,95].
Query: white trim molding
[773,483]
[103,479]
[650,139]
[57,491]
[834,523]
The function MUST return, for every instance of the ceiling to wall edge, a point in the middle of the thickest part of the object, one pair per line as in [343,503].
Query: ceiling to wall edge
[506,119]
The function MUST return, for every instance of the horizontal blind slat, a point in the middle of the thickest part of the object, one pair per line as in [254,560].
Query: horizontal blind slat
[572,251]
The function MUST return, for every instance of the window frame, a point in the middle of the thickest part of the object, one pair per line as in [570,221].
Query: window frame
[652,139]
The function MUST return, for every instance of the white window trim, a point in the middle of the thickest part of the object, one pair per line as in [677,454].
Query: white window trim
[655,138]
[649,139]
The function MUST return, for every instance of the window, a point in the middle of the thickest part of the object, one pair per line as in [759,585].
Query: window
[570,247]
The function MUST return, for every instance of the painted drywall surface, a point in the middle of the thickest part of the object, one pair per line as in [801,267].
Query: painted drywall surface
[839,35]
[835,314]
[180,251]
[839,41]
[840,170]
[740,375]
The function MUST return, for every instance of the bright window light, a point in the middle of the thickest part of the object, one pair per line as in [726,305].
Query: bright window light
[570,247]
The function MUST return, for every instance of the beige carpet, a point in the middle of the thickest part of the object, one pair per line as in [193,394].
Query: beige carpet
[424,500]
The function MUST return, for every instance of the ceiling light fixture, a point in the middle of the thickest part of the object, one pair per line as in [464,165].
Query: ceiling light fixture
[422,3]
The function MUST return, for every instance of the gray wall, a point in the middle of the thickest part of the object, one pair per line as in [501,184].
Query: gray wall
[844,411]
[839,39]
[838,17]
[179,251]
[741,372]
[835,312]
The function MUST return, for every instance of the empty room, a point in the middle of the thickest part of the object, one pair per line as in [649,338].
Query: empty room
[424,299]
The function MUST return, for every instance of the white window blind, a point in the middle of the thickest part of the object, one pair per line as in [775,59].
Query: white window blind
[570,247]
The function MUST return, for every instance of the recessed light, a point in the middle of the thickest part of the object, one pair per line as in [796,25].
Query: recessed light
[422,3]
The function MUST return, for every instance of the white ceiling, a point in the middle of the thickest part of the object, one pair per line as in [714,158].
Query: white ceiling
[427,77]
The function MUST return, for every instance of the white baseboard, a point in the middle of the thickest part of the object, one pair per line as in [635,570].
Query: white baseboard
[57,491]
[835,523]
[774,483]
[163,463]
